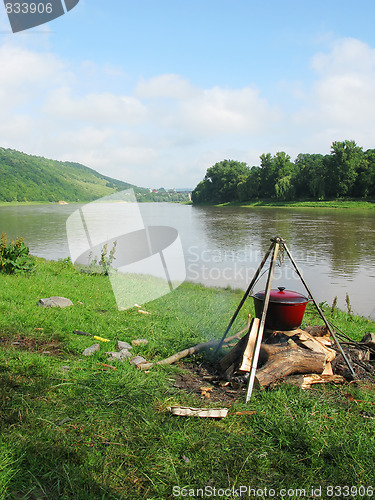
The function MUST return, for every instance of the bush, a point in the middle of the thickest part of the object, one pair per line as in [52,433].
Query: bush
[14,257]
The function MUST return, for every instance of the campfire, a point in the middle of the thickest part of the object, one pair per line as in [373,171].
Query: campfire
[273,347]
[286,310]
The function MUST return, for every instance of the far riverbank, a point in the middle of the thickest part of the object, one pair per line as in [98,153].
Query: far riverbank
[337,204]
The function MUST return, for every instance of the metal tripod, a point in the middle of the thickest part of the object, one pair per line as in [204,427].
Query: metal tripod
[277,243]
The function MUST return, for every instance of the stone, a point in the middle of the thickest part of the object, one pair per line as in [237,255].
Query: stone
[90,350]
[119,356]
[55,301]
[123,345]
[138,360]
[139,342]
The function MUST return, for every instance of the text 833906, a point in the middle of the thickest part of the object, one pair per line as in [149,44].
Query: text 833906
[29,8]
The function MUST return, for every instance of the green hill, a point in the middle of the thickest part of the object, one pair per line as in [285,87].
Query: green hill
[26,178]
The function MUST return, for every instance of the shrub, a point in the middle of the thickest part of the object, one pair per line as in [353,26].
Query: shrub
[14,256]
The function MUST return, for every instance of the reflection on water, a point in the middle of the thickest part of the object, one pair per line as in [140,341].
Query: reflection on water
[334,249]
[42,227]
[224,246]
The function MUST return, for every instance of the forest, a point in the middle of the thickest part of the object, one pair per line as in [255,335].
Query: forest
[347,172]
[28,178]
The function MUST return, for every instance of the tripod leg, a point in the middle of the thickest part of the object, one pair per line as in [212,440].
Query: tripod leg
[249,288]
[254,362]
[320,312]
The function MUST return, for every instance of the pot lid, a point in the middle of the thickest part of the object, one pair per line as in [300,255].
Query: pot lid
[283,296]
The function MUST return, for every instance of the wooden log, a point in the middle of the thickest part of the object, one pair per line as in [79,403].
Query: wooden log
[280,361]
[306,381]
[247,358]
[316,344]
[368,340]
[234,356]
[318,331]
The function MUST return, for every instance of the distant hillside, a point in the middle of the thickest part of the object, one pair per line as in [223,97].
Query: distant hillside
[25,177]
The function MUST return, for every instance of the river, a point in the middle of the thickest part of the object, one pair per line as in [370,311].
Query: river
[224,246]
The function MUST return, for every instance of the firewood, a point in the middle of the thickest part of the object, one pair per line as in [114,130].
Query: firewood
[306,381]
[328,370]
[277,362]
[318,331]
[249,351]
[369,340]
[234,355]
[316,344]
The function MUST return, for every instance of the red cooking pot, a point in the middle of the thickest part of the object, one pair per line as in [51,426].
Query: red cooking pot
[285,309]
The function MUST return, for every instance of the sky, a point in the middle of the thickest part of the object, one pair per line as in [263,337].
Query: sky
[155,92]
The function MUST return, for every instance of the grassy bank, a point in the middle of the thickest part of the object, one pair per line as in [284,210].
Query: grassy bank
[347,204]
[73,428]
[24,203]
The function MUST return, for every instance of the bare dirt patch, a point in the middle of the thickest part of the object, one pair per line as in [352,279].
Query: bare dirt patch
[204,381]
[47,347]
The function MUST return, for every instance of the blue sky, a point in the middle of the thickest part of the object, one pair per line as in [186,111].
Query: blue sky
[155,92]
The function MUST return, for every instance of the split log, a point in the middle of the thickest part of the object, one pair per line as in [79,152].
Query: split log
[316,344]
[240,357]
[277,362]
[306,381]
[230,362]
[247,358]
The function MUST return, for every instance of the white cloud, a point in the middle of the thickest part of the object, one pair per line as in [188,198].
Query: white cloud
[347,55]
[341,103]
[229,112]
[104,107]
[206,112]
[167,131]
[22,67]
[168,86]
[153,134]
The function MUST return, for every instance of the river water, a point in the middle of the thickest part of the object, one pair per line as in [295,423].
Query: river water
[334,249]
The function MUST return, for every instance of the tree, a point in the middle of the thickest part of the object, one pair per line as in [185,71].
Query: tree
[200,193]
[220,182]
[310,180]
[365,182]
[284,188]
[249,188]
[342,165]
[267,176]
[274,169]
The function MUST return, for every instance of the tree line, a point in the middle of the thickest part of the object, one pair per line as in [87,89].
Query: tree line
[347,171]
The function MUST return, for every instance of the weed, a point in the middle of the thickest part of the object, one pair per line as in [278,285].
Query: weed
[14,256]
[334,305]
[102,264]
[348,305]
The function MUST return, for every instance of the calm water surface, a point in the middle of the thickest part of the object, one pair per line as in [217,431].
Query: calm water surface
[223,246]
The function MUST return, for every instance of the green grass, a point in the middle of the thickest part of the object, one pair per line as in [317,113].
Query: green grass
[22,203]
[340,203]
[73,429]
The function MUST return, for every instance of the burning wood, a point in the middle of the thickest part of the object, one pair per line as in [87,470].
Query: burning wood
[283,354]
